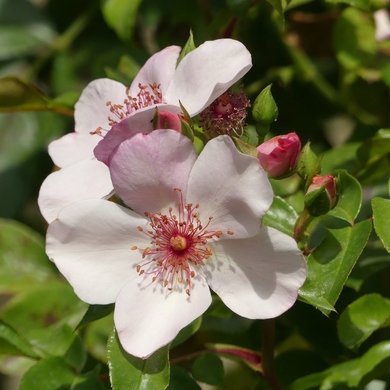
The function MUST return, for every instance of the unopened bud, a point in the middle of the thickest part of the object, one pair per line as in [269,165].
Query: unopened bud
[168,120]
[265,110]
[279,155]
[321,196]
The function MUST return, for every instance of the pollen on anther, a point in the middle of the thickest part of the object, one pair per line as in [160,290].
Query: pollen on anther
[140,229]
[230,232]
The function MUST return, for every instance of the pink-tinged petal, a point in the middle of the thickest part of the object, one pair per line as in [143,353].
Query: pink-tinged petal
[231,187]
[72,147]
[91,110]
[159,69]
[145,169]
[207,72]
[140,121]
[147,318]
[90,242]
[86,179]
[258,277]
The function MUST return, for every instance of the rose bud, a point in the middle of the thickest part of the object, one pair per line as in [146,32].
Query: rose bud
[321,196]
[279,155]
[168,120]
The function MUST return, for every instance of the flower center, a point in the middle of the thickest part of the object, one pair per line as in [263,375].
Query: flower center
[178,245]
[225,115]
[148,95]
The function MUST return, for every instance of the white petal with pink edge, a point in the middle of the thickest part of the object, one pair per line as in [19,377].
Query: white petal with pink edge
[231,187]
[207,72]
[159,69]
[91,243]
[146,169]
[259,277]
[88,178]
[92,111]
[147,316]
[72,147]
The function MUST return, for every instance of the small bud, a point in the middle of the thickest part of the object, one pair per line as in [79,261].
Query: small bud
[265,110]
[168,120]
[279,155]
[321,196]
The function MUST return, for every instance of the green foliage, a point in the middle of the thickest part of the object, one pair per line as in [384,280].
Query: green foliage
[130,372]
[208,368]
[381,213]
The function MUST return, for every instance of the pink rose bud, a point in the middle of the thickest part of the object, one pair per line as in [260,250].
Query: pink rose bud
[168,120]
[279,155]
[321,196]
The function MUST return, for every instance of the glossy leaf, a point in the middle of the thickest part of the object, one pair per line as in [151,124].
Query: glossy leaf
[23,261]
[181,379]
[361,318]
[332,261]
[60,341]
[349,198]
[88,381]
[129,372]
[362,4]
[48,374]
[281,216]
[13,344]
[208,368]
[187,332]
[95,312]
[43,305]
[120,15]
[381,216]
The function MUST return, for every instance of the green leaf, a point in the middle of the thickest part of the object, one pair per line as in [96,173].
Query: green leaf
[265,110]
[308,164]
[281,216]
[354,38]
[23,261]
[16,94]
[43,305]
[21,40]
[349,198]
[129,372]
[48,374]
[339,157]
[362,4]
[362,318]
[181,379]
[120,15]
[187,332]
[88,381]
[13,344]
[246,148]
[96,312]
[381,216]
[332,261]
[60,341]
[208,368]
[311,294]
[188,48]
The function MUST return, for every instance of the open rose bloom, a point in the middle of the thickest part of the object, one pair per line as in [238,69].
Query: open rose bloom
[194,224]
[107,109]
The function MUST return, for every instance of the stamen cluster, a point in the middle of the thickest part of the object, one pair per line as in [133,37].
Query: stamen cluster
[147,96]
[178,245]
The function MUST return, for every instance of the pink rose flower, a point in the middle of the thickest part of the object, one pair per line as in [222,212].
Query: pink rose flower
[279,155]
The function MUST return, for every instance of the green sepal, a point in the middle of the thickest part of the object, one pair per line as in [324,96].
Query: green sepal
[308,164]
[265,110]
[188,48]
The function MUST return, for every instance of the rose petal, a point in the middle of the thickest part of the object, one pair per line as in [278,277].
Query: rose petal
[91,110]
[207,72]
[146,169]
[159,69]
[147,318]
[258,277]
[91,243]
[72,147]
[86,179]
[140,121]
[231,187]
